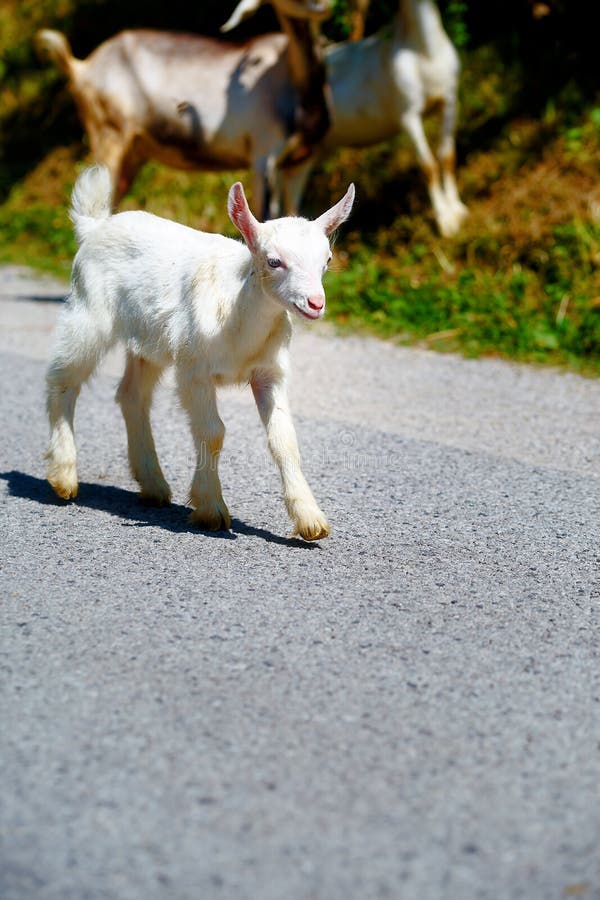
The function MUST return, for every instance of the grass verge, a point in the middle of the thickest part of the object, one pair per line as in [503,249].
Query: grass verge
[521,281]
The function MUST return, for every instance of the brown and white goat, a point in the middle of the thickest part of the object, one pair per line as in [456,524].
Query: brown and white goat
[197,102]
[307,73]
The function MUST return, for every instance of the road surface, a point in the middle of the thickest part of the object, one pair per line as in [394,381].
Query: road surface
[407,710]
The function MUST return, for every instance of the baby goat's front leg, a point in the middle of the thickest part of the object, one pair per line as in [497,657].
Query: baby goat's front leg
[271,399]
[198,397]
[135,397]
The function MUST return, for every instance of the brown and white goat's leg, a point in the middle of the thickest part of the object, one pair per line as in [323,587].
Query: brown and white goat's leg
[359,10]
[135,397]
[447,158]
[283,186]
[264,188]
[268,187]
[198,398]
[444,213]
[119,154]
[82,342]
[294,181]
[272,205]
[272,403]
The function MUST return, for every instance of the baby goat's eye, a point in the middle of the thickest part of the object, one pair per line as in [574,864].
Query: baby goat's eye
[274,263]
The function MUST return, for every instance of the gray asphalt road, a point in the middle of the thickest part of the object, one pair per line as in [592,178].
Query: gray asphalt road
[408,710]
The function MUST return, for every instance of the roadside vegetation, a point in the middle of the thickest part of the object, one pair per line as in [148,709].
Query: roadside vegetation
[522,279]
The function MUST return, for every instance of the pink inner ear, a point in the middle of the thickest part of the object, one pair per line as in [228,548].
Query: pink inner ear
[241,216]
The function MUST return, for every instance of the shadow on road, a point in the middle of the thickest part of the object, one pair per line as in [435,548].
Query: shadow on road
[126,504]
[42,298]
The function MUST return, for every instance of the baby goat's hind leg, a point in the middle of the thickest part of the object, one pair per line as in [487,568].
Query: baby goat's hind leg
[80,347]
[135,397]
[61,471]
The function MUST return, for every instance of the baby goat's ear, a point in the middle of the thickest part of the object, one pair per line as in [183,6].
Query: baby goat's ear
[240,215]
[334,217]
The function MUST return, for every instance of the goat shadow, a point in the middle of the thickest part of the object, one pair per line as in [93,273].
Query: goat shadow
[125,504]
[40,298]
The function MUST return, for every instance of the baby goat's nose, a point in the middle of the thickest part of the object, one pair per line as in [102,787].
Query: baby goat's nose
[317,301]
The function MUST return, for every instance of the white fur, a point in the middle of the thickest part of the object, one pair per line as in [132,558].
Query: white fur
[212,307]
[382,85]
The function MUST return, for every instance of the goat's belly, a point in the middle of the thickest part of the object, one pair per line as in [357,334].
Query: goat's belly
[182,152]
[227,379]
[363,115]
[370,125]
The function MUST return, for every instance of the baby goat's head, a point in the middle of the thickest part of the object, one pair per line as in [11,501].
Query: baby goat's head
[290,255]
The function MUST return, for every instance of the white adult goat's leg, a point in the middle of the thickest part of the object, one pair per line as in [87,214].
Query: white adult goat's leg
[198,397]
[447,158]
[445,215]
[135,397]
[272,402]
[81,344]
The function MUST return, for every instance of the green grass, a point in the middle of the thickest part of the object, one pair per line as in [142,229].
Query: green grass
[521,281]
[512,315]
[37,237]
[534,300]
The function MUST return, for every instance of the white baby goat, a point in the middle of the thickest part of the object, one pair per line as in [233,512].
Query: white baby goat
[215,308]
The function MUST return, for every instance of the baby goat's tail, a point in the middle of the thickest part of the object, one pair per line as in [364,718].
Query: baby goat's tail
[91,200]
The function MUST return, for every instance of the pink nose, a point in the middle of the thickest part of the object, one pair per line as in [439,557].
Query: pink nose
[317,302]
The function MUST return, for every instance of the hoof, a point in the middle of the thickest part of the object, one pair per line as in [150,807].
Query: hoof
[450,222]
[311,524]
[214,518]
[449,227]
[64,481]
[316,531]
[156,496]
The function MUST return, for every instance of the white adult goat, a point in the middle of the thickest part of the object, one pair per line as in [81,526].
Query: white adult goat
[217,309]
[384,84]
